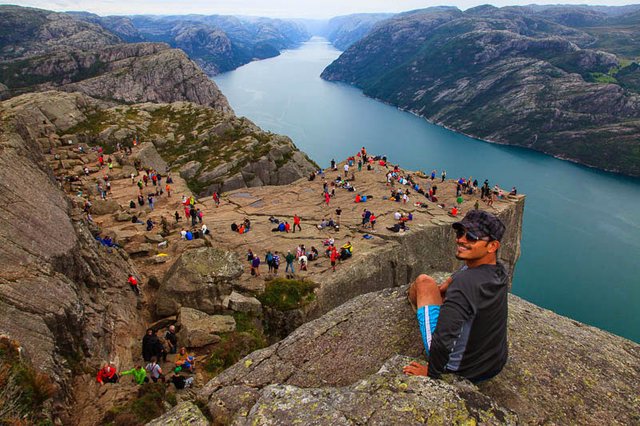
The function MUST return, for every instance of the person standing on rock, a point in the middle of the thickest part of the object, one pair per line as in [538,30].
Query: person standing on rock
[154,370]
[276,262]
[216,198]
[463,322]
[268,257]
[289,258]
[151,346]
[296,222]
[255,265]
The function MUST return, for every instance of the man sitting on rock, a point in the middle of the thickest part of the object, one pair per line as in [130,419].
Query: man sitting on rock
[463,322]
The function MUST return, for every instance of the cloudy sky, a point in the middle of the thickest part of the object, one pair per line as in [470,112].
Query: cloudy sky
[272,8]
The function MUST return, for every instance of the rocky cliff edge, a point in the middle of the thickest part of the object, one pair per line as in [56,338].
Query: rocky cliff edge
[343,368]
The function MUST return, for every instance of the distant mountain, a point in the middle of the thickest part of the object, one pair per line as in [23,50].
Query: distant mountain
[42,50]
[343,31]
[221,43]
[514,75]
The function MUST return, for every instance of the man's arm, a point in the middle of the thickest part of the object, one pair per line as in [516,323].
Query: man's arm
[455,312]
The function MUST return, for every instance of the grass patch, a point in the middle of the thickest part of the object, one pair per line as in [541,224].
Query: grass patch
[285,294]
[247,338]
[23,390]
[147,406]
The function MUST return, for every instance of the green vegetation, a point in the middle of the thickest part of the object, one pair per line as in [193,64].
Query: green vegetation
[598,77]
[247,338]
[148,405]
[23,390]
[286,294]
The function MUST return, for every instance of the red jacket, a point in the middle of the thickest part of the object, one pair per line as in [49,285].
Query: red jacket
[105,373]
[133,281]
[296,220]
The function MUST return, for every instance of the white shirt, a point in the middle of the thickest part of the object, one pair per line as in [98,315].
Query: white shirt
[183,234]
[204,229]
[346,167]
[397,215]
[302,259]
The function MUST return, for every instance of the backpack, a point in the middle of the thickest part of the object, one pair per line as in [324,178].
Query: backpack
[269,258]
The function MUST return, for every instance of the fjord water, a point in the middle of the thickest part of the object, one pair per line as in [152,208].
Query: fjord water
[581,232]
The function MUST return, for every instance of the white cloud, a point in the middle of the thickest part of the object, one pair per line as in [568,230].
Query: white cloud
[271,8]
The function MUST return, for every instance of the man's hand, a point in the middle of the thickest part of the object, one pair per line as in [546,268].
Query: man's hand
[416,369]
[443,287]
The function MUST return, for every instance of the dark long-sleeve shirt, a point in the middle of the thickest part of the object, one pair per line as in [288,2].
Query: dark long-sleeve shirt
[470,338]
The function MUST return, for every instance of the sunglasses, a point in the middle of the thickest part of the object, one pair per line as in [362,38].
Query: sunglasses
[471,237]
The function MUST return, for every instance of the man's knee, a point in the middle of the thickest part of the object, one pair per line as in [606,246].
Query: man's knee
[427,291]
[424,283]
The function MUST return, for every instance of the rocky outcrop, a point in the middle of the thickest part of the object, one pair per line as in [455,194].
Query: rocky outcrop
[57,284]
[165,76]
[184,414]
[508,76]
[200,279]
[213,151]
[198,329]
[64,52]
[335,369]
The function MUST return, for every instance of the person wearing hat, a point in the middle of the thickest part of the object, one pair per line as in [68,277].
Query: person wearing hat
[463,322]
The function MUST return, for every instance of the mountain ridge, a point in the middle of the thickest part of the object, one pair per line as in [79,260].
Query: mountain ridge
[504,76]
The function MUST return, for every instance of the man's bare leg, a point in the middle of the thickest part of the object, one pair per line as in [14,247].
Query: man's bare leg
[423,291]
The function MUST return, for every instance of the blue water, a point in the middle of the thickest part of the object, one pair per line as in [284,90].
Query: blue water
[581,236]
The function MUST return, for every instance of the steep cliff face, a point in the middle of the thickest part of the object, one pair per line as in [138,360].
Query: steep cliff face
[222,43]
[85,57]
[62,296]
[343,368]
[505,75]
[343,31]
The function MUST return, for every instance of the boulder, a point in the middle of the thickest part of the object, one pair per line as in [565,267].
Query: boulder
[190,169]
[164,323]
[123,217]
[149,157]
[201,278]
[240,303]
[153,238]
[184,414]
[413,400]
[198,329]
[559,372]
[140,249]
[101,207]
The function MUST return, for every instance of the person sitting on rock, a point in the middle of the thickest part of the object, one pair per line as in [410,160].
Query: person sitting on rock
[188,236]
[107,374]
[139,374]
[180,381]
[150,224]
[205,230]
[281,227]
[463,322]
[185,361]
[234,227]
[172,339]
[154,370]
[313,254]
